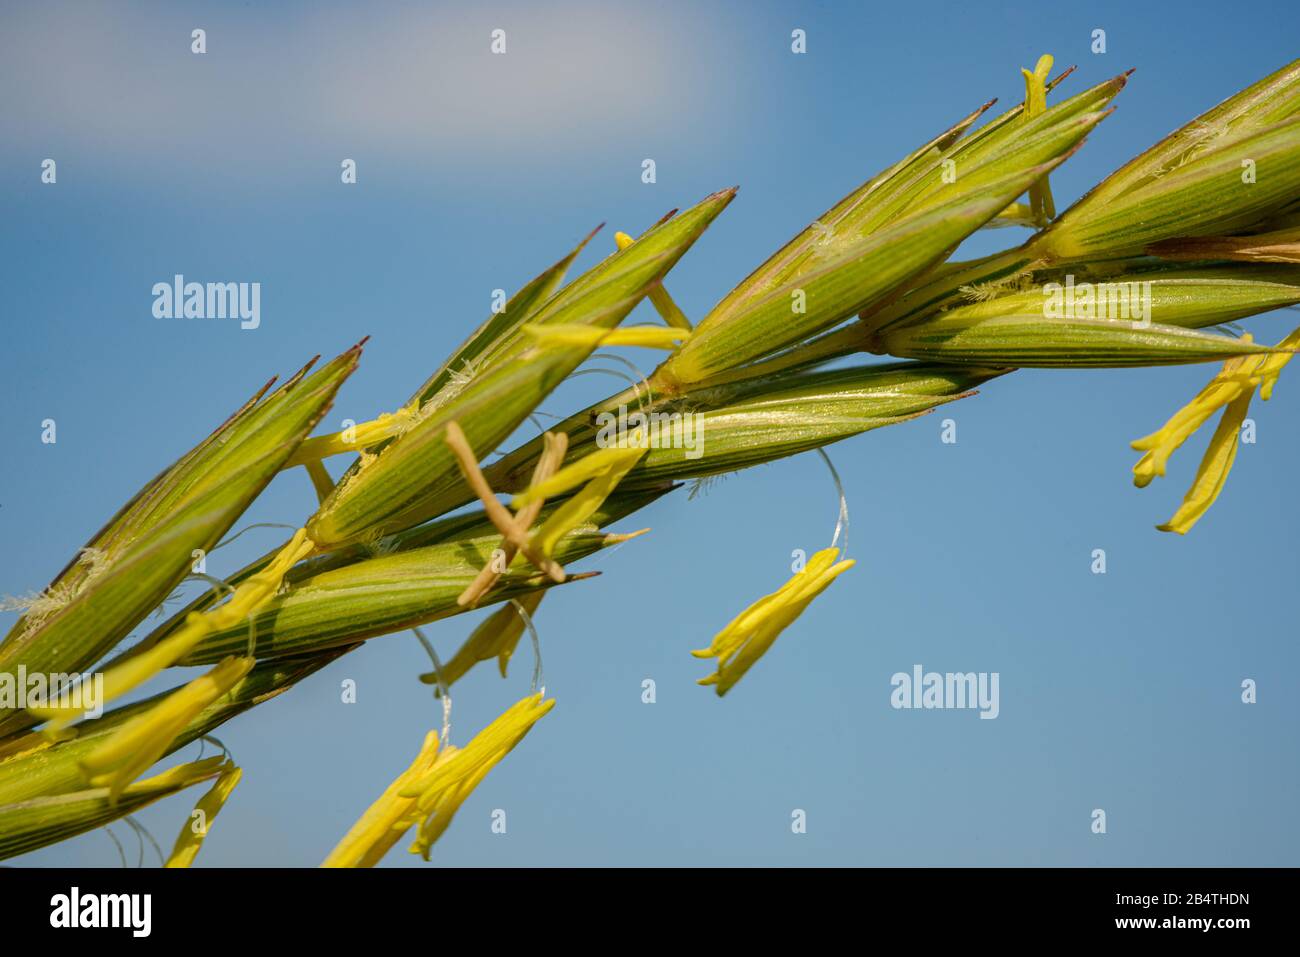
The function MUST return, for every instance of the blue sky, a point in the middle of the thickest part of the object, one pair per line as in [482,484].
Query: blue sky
[1118,691]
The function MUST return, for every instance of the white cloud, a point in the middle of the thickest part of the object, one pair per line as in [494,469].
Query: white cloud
[121,80]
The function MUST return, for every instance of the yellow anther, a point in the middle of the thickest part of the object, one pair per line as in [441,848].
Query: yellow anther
[196,827]
[495,637]
[1231,389]
[597,463]
[439,792]
[132,748]
[751,633]
[381,826]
